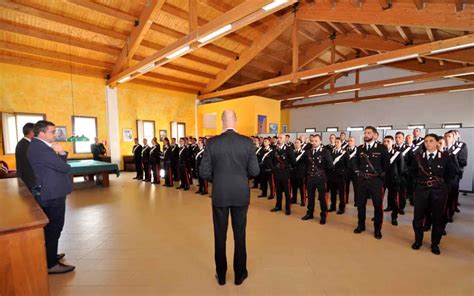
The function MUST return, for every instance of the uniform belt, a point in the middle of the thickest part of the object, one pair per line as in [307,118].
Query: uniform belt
[311,174]
[368,176]
[429,183]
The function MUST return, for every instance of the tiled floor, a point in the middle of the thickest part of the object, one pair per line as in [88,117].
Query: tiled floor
[135,238]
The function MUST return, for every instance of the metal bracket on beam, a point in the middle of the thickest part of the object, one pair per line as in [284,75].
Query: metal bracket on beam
[136,23]
[389,5]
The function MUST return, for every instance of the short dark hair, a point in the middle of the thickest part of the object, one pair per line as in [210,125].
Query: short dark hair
[342,133]
[28,128]
[400,133]
[337,138]
[275,137]
[317,136]
[389,137]
[373,129]
[41,126]
[440,138]
[288,136]
[434,136]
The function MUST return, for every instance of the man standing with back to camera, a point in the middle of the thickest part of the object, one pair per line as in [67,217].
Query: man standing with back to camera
[229,160]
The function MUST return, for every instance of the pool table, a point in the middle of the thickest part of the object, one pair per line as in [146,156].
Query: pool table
[88,168]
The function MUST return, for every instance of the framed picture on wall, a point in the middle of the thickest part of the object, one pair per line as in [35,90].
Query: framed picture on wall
[127,135]
[273,128]
[262,124]
[284,128]
[61,134]
[163,135]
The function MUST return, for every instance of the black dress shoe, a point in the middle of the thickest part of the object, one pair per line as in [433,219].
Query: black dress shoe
[331,210]
[426,228]
[457,210]
[373,219]
[271,197]
[135,178]
[322,221]
[435,250]
[378,235]
[401,212]
[179,187]
[293,201]
[204,193]
[444,232]
[240,280]
[275,209]
[340,212]
[416,246]
[359,229]
[387,209]
[198,192]
[220,281]
[186,188]
[307,217]
[261,195]
[287,212]
[60,256]
[394,222]
[303,204]
[450,220]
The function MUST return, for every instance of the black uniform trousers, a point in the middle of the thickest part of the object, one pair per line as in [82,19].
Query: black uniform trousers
[371,187]
[318,183]
[139,168]
[146,169]
[256,180]
[337,185]
[431,199]
[298,183]
[55,210]
[282,186]
[351,177]
[265,181]
[410,188]
[202,185]
[393,198]
[451,203]
[220,217]
[402,193]
[184,176]
[155,171]
[175,170]
[168,174]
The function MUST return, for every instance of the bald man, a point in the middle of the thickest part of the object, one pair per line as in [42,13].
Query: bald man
[229,159]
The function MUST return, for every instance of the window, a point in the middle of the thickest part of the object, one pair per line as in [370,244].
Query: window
[413,126]
[452,125]
[146,130]
[12,124]
[84,126]
[310,130]
[355,128]
[332,129]
[178,130]
[384,127]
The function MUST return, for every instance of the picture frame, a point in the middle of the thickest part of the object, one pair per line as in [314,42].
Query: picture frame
[61,134]
[262,124]
[284,128]
[127,135]
[273,128]
[163,135]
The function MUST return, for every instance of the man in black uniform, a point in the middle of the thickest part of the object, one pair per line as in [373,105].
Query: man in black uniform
[417,139]
[167,163]
[453,186]
[198,158]
[404,149]
[372,162]
[174,159]
[258,148]
[318,161]
[433,170]
[336,177]
[98,150]
[462,159]
[298,175]
[146,160]
[23,167]
[288,142]
[344,142]
[351,176]
[265,163]
[283,160]
[183,157]
[393,178]
[155,154]
[332,143]
[137,157]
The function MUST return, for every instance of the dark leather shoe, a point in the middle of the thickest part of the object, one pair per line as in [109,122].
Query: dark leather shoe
[307,217]
[387,209]
[303,204]
[179,187]
[61,256]
[204,193]
[186,189]
[198,192]
[373,219]
[435,250]
[322,221]
[444,232]
[394,222]
[135,178]
[416,246]
[220,281]
[271,197]
[293,201]
[401,212]
[261,195]
[340,212]
[359,229]
[275,209]
[426,228]
[287,212]
[60,268]
[378,235]
[457,210]
[450,220]
[331,210]
[240,280]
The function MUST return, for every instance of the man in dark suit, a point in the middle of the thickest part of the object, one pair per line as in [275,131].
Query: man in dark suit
[98,150]
[23,167]
[137,158]
[49,163]
[229,160]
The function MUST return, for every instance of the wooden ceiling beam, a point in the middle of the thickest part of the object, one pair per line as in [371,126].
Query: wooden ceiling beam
[359,30]
[324,28]
[420,4]
[309,54]
[193,15]
[397,15]
[379,31]
[340,29]
[248,54]
[295,44]
[145,20]
[404,34]
[459,4]
[369,61]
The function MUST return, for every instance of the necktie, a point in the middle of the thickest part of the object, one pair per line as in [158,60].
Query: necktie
[431,158]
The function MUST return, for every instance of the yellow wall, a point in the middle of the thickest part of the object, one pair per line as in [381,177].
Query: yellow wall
[285,118]
[30,90]
[247,110]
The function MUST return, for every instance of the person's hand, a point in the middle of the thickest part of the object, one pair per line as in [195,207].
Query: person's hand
[58,148]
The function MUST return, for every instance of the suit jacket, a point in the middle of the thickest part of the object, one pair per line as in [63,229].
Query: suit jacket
[155,153]
[137,152]
[229,160]
[372,161]
[23,167]
[51,171]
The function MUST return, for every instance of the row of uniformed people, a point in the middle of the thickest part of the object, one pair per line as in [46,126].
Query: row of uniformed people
[402,165]
[177,163]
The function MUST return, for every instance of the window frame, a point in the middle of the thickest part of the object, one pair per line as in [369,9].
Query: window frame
[310,130]
[143,121]
[16,126]
[355,128]
[171,129]
[446,125]
[331,129]
[412,126]
[74,131]
[385,127]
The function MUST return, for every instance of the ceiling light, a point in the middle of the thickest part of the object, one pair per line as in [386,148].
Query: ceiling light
[146,68]
[460,74]
[274,4]
[452,48]
[413,95]
[351,68]
[464,89]
[348,90]
[179,52]
[124,79]
[216,33]
[279,83]
[318,95]
[295,98]
[314,76]
[398,59]
[398,83]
